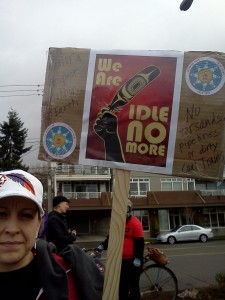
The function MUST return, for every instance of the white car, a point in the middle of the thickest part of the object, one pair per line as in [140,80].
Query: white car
[186,233]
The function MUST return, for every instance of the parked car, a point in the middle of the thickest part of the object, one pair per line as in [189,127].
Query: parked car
[186,233]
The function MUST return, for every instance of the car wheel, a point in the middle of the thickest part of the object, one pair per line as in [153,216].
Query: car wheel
[171,240]
[203,238]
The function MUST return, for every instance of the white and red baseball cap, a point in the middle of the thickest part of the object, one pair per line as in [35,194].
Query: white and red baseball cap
[22,184]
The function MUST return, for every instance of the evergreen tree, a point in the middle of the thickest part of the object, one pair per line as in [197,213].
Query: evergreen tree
[12,142]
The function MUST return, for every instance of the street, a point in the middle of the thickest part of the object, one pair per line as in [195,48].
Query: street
[195,264]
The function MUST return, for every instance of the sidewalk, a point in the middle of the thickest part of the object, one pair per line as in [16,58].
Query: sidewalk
[89,240]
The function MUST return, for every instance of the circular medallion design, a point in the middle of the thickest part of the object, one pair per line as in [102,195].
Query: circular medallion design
[59,140]
[205,76]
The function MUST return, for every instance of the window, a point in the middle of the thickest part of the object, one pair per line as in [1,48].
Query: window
[84,187]
[202,185]
[85,190]
[221,185]
[175,218]
[190,184]
[67,189]
[171,184]
[195,227]
[185,228]
[65,168]
[214,217]
[139,186]
[143,216]
[177,184]
[163,219]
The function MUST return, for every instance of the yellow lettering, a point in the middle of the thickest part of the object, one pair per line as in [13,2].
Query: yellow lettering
[131,147]
[144,149]
[134,128]
[163,115]
[104,64]
[161,150]
[116,80]
[156,127]
[116,66]
[131,112]
[102,79]
[143,112]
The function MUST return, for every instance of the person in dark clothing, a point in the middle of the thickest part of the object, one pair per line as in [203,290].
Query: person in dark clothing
[132,257]
[44,226]
[58,232]
[29,268]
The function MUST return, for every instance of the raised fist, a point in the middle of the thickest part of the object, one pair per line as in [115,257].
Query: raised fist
[106,127]
[106,124]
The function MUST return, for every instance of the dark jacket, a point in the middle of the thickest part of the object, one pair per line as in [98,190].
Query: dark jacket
[86,277]
[58,231]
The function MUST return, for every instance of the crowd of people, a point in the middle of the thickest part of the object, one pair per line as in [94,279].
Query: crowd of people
[39,258]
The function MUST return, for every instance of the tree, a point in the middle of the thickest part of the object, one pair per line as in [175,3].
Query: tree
[12,142]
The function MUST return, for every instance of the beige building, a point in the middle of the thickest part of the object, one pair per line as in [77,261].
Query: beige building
[160,202]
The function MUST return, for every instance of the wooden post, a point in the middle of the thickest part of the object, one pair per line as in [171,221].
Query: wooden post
[116,234]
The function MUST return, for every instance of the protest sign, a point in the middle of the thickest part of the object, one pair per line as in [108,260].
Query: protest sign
[153,111]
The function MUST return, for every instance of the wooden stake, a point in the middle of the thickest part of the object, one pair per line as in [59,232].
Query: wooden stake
[116,234]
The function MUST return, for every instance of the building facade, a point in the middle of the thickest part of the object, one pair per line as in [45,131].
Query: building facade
[160,202]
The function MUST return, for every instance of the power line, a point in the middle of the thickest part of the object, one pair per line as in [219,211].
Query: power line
[22,85]
[21,91]
[30,151]
[22,95]
[34,142]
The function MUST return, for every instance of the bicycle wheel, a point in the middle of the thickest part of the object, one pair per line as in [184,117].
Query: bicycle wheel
[158,282]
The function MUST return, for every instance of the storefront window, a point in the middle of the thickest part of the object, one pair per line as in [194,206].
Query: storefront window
[143,216]
[163,220]
[214,217]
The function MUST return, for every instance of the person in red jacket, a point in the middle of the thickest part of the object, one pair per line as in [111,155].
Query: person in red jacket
[29,268]
[132,257]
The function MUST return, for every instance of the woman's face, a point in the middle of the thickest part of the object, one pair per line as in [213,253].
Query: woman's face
[19,225]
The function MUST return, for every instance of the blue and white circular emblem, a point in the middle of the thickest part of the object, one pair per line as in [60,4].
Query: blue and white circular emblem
[59,140]
[205,76]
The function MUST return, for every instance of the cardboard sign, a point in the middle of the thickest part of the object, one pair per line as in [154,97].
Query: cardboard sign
[63,104]
[152,111]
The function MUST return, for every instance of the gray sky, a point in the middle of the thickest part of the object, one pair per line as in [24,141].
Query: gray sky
[29,28]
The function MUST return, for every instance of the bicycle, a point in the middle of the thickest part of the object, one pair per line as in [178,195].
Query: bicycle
[96,256]
[157,281]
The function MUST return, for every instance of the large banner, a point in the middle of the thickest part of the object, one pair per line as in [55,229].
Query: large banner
[152,111]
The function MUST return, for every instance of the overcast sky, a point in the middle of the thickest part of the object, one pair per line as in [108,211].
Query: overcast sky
[29,28]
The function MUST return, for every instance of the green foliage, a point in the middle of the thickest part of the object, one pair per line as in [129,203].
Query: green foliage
[210,293]
[12,142]
[220,278]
